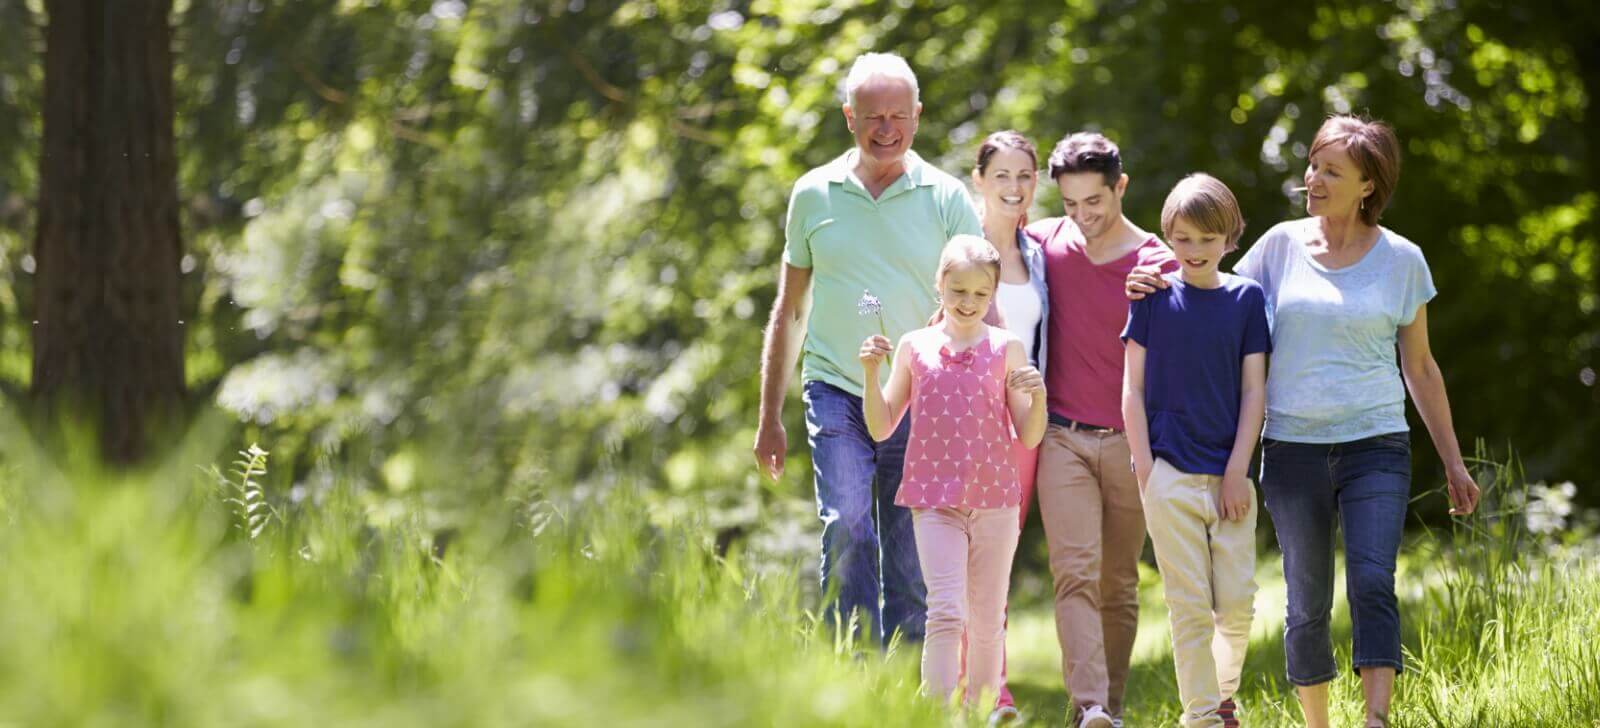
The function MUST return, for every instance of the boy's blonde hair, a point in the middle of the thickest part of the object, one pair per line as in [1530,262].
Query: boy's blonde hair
[1207,204]
[968,249]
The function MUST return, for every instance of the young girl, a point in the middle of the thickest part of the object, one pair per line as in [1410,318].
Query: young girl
[965,383]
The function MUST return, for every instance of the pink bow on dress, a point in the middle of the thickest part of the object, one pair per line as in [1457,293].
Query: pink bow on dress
[963,358]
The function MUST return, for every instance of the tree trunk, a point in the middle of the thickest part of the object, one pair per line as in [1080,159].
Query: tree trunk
[108,342]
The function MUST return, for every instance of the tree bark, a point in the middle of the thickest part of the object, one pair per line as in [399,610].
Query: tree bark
[108,342]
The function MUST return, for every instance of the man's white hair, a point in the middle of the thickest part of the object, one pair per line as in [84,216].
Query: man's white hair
[868,65]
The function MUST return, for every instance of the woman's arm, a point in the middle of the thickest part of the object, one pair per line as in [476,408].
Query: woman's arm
[1133,414]
[882,407]
[1025,395]
[1426,384]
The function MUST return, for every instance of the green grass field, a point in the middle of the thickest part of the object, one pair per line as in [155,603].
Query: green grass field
[176,598]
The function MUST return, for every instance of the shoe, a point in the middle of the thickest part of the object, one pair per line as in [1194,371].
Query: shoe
[1095,717]
[1116,723]
[1228,711]
[1004,715]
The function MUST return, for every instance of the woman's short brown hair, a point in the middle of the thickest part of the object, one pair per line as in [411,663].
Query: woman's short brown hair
[1375,150]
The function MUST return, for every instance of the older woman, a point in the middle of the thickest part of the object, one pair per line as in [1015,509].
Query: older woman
[1343,293]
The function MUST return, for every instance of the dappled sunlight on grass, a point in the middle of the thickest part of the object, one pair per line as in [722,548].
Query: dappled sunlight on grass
[180,596]
[1495,671]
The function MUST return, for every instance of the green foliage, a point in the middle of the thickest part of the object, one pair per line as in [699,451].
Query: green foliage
[459,251]
[1496,615]
[490,278]
[243,493]
[133,600]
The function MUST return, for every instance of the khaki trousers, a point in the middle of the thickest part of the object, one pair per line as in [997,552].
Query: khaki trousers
[1208,570]
[1094,523]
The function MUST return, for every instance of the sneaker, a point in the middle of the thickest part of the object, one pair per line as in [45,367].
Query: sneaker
[1095,717]
[1004,715]
[1228,711]
[1116,723]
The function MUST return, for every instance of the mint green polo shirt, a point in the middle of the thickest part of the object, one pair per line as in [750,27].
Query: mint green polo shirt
[854,243]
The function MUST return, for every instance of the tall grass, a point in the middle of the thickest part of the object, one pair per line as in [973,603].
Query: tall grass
[1501,627]
[166,598]
[1510,621]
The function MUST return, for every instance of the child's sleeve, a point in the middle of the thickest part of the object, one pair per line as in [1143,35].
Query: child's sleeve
[1138,327]
[1257,332]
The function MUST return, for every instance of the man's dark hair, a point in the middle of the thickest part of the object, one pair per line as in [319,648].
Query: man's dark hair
[1086,152]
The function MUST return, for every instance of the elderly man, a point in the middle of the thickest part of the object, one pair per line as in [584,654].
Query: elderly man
[874,219]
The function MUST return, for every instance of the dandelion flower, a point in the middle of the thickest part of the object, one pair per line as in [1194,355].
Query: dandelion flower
[869,305]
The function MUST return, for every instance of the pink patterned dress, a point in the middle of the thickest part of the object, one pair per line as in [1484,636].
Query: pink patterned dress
[960,452]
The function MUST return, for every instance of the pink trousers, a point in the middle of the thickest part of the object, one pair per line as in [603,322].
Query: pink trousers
[966,562]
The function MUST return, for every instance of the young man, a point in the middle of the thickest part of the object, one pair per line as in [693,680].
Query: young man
[1194,398]
[1088,496]
[860,223]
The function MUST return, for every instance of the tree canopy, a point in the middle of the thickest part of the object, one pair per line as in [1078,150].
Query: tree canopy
[487,249]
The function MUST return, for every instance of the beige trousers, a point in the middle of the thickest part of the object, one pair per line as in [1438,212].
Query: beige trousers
[1093,521]
[1208,570]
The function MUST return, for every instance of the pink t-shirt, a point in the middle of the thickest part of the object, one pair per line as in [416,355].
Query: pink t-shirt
[1088,309]
[959,454]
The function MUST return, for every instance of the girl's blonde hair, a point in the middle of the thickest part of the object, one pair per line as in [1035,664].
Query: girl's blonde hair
[968,249]
[1207,204]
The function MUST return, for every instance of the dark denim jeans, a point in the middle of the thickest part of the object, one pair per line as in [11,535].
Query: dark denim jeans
[864,534]
[1363,486]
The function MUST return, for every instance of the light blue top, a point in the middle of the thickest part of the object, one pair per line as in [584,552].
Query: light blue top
[1334,374]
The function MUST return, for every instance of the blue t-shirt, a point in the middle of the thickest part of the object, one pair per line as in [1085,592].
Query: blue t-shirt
[1195,342]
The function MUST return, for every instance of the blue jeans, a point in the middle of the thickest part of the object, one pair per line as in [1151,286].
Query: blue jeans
[1364,486]
[864,534]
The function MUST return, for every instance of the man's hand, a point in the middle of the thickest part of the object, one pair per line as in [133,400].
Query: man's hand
[1143,280]
[772,444]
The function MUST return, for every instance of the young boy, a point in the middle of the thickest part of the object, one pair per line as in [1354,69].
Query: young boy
[1193,397]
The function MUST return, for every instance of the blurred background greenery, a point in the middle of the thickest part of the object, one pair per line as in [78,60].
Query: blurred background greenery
[488,277]
[458,253]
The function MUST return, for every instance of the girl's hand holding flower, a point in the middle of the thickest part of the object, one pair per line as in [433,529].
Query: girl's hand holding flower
[873,350]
